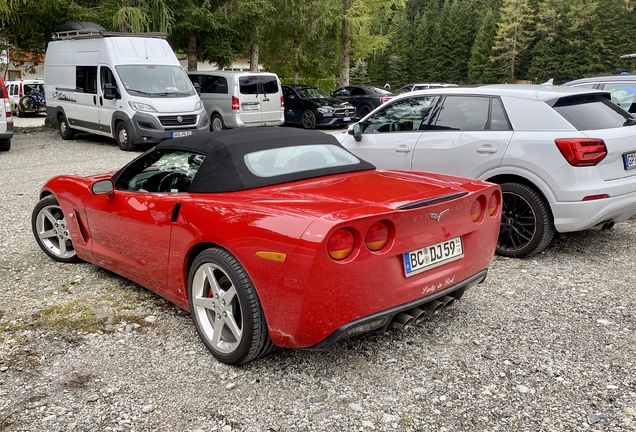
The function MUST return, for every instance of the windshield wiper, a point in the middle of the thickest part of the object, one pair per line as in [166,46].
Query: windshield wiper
[139,91]
[630,122]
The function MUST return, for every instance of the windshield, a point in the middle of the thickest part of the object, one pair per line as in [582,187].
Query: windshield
[311,93]
[155,80]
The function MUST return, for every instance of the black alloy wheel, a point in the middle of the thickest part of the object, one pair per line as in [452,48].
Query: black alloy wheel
[308,119]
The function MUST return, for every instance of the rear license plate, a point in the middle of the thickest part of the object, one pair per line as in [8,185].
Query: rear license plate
[431,256]
[629,160]
[252,106]
[181,134]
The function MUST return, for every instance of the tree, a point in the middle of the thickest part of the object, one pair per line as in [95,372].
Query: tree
[514,33]
[481,67]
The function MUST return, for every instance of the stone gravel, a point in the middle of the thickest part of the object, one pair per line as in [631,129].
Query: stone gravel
[545,344]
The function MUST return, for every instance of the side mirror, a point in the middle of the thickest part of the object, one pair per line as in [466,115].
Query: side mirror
[111,92]
[103,187]
[355,130]
[197,87]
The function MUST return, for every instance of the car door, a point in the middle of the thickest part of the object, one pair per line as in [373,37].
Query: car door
[270,98]
[131,227]
[250,99]
[106,107]
[391,134]
[86,113]
[293,106]
[468,136]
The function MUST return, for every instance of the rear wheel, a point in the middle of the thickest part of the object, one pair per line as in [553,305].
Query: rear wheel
[216,123]
[364,110]
[123,137]
[51,230]
[5,145]
[526,222]
[308,119]
[65,131]
[225,308]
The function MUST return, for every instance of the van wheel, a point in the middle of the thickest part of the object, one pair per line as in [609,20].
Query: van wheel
[123,137]
[216,123]
[5,145]
[65,131]
[308,119]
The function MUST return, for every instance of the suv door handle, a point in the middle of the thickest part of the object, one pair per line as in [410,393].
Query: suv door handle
[487,150]
[266,99]
[403,149]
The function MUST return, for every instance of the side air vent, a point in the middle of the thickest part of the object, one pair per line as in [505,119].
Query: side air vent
[432,201]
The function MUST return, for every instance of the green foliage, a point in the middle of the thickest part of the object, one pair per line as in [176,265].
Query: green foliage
[514,34]
[327,84]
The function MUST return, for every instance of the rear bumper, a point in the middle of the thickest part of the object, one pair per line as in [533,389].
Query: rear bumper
[8,134]
[380,321]
[583,215]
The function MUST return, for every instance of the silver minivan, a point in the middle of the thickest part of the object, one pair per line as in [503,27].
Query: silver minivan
[240,99]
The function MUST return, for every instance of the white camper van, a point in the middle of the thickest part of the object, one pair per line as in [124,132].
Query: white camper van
[128,87]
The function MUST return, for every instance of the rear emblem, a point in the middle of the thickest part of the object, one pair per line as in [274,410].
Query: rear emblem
[438,216]
[179,119]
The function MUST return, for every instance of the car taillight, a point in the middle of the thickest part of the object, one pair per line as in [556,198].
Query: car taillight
[235,103]
[581,152]
[5,96]
[385,99]
[493,203]
[341,244]
[477,209]
[595,197]
[377,236]
[282,102]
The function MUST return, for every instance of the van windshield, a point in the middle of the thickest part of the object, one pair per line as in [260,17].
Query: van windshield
[155,80]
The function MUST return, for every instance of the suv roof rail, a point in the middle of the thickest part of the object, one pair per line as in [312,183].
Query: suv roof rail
[85,30]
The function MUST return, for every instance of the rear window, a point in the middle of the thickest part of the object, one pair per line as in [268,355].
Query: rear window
[591,112]
[270,84]
[248,85]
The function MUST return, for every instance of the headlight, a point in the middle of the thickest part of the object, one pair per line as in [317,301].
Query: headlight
[138,106]
[325,110]
[198,106]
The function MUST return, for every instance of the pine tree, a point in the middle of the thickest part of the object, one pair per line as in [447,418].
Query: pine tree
[514,34]
[481,67]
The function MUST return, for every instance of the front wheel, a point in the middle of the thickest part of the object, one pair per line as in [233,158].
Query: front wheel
[225,308]
[65,130]
[123,137]
[51,230]
[308,119]
[526,222]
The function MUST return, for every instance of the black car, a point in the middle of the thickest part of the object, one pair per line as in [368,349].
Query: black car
[621,87]
[364,98]
[311,106]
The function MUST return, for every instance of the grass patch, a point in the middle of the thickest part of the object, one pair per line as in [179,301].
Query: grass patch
[72,316]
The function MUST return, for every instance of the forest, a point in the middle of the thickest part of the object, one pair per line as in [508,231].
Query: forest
[363,41]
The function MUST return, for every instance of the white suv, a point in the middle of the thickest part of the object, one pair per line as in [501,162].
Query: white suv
[6,120]
[565,158]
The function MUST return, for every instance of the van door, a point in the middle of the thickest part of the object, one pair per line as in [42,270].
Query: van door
[106,107]
[87,115]
[270,98]
[250,99]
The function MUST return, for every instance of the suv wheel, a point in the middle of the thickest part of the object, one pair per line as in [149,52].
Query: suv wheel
[526,222]
[308,119]
[5,144]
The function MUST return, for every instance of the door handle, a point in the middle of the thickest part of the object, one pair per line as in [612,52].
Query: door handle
[94,100]
[265,99]
[101,101]
[403,149]
[487,150]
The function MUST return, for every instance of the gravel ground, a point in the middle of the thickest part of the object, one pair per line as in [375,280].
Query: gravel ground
[544,344]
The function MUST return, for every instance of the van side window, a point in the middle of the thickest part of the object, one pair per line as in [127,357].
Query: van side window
[215,84]
[86,79]
[106,77]
[270,84]
[248,85]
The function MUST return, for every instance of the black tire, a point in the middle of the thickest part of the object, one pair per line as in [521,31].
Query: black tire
[527,226]
[216,123]
[308,119]
[363,110]
[234,304]
[65,130]
[18,111]
[51,231]
[5,145]
[26,103]
[122,136]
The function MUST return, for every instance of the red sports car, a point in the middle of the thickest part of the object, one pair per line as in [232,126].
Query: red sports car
[273,236]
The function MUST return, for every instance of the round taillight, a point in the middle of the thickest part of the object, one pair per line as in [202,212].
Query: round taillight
[493,204]
[341,244]
[377,236]
[477,209]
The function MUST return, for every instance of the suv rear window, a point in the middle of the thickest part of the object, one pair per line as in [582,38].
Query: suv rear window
[270,84]
[591,112]
[248,85]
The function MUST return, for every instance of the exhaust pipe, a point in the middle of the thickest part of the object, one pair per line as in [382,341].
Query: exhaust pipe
[402,321]
[607,226]
[448,301]
[417,314]
[433,307]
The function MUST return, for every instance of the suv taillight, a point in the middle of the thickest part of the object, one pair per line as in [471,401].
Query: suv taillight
[5,97]
[580,152]
[282,102]
[235,103]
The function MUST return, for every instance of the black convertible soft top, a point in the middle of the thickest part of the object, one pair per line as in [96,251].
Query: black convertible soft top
[224,168]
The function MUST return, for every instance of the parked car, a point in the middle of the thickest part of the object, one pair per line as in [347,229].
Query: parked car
[364,98]
[422,86]
[240,99]
[121,85]
[276,236]
[564,157]
[6,120]
[621,87]
[310,106]
[26,96]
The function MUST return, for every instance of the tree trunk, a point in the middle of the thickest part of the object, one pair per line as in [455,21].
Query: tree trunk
[192,53]
[296,68]
[254,52]
[345,53]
